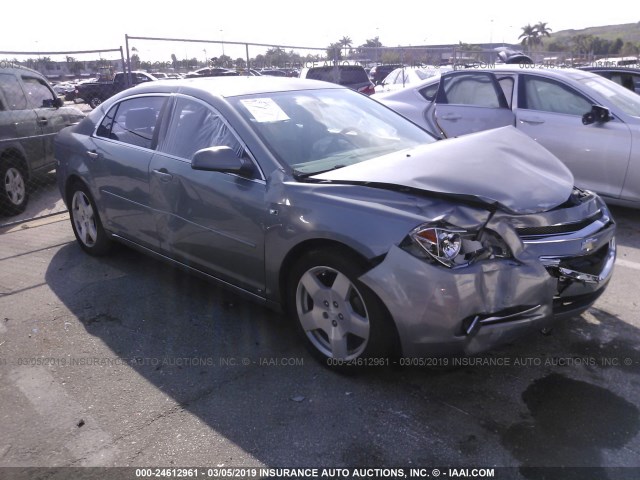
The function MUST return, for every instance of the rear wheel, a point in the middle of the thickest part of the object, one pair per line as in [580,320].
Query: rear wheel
[94,101]
[13,191]
[85,221]
[339,317]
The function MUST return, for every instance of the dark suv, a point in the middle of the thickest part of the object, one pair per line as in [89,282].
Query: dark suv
[352,76]
[30,116]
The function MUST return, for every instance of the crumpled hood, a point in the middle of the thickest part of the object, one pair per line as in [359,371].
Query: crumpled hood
[502,166]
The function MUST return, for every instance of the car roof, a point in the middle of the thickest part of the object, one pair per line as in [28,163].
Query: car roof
[15,68]
[233,86]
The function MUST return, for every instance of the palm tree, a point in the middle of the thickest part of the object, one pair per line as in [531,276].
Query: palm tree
[529,36]
[345,42]
[543,31]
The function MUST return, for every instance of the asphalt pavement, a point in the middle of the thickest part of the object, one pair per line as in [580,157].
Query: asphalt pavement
[125,361]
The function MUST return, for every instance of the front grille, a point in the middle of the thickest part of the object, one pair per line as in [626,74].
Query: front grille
[530,232]
[591,264]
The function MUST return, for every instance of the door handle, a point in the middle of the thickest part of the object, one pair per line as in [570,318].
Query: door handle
[93,154]
[451,116]
[164,175]
[42,121]
[532,120]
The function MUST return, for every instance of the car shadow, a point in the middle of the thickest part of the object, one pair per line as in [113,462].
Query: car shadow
[546,401]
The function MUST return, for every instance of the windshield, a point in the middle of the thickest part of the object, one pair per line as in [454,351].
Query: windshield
[620,97]
[313,131]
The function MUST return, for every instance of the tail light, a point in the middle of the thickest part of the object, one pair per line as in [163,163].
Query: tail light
[368,89]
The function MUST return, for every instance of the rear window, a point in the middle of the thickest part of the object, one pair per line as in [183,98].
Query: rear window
[347,74]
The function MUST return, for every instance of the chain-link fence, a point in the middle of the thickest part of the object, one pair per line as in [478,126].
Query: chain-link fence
[41,92]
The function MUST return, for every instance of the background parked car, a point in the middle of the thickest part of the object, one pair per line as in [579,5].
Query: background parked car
[590,123]
[405,76]
[628,77]
[30,116]
[379,72]
[352,76]
[308,197]
[212,72]
[94,93]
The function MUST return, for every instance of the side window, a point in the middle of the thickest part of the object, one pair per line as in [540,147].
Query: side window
[476,89]
[506,83]
[12,92]
[133,121]
[37,91]
[429,93]
[546,95]
[195,126]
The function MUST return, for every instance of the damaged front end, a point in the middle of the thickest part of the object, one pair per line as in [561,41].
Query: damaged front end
[455,290]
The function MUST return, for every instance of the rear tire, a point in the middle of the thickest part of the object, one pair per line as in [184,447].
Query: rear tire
[94,101]
[341,320]
[13,188]
[86,223]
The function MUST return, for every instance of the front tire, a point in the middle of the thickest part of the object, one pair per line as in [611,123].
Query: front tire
[338,316]
[86,223]
[13,190]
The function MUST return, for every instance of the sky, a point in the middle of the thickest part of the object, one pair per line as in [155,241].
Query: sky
[35,26]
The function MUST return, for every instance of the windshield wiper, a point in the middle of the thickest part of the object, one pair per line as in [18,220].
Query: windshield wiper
[299,174]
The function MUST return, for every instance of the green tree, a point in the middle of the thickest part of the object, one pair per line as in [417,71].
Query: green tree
[334,51]
[629,49]
[346,43]
[529,36]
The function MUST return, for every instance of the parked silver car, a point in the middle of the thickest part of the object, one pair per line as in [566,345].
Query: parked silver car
[587,121]
[311,198]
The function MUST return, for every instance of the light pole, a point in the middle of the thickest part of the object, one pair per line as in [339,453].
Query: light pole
[222,40]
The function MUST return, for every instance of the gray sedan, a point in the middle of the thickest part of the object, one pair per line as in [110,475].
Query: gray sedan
[315,200]
[590,123]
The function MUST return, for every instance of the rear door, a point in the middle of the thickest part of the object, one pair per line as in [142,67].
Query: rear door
[123,146]
[470,101]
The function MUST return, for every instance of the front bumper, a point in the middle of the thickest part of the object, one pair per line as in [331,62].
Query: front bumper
[441,311]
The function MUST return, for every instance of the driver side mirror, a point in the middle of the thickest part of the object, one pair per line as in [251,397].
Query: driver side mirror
[221,159]
[598,114]
[53,102]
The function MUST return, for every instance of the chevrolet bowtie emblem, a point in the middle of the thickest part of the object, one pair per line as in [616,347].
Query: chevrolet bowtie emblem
[589,244]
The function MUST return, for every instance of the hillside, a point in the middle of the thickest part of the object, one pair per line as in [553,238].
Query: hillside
[628,32]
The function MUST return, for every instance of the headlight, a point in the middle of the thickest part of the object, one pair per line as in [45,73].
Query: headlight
[453,246]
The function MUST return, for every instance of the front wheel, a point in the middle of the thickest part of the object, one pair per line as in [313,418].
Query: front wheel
[13,191]
[338,316]
[86,223]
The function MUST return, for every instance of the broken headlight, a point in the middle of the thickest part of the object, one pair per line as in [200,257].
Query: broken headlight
[453,246]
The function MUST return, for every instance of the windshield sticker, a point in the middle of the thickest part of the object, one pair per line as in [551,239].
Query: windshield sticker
[264,110]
